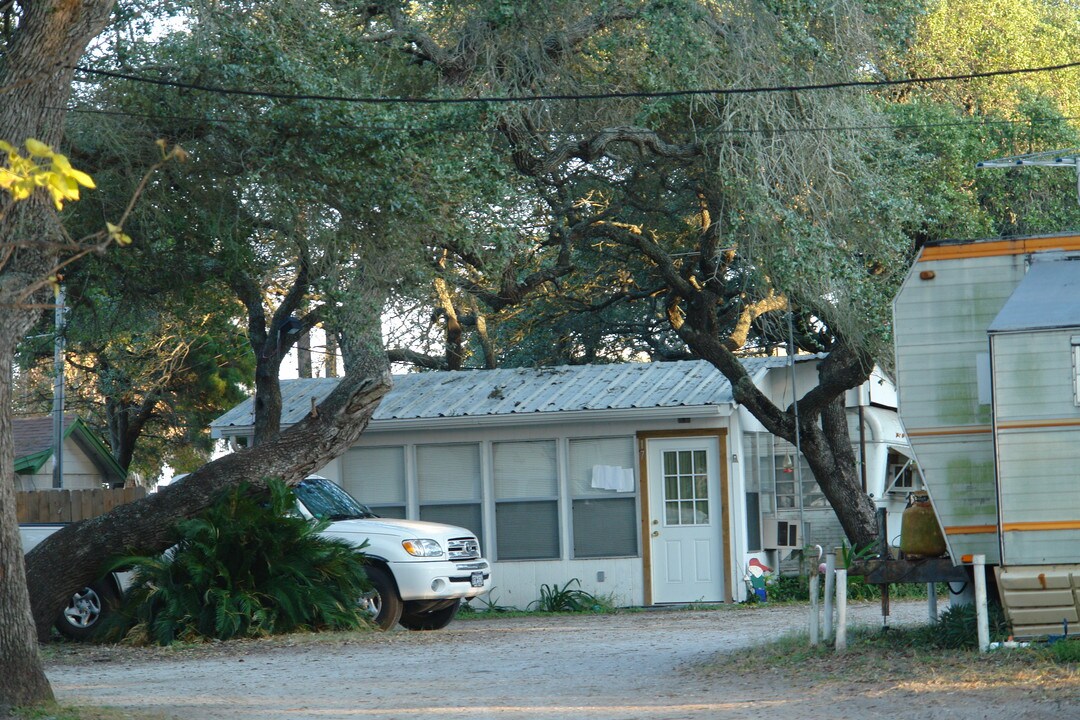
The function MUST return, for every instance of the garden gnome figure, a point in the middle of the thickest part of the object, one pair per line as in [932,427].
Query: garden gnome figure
[755,578]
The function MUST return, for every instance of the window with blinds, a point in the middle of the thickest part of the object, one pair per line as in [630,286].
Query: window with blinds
[603,495]
[757,460]
[448,485]
[376,477]
[526,500]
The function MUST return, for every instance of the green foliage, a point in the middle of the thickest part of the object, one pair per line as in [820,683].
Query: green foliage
[796,588]
[54,711]
[850,555]
[567,599]
[1065,651]
[957,628]
[244,568]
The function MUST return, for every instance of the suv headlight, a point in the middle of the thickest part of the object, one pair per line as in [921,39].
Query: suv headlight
[423,547]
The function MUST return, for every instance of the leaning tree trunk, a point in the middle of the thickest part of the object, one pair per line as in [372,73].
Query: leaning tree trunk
[35,83]
[823,431]
[72,557]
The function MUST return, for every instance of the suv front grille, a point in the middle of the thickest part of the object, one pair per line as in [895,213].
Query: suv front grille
[464,548]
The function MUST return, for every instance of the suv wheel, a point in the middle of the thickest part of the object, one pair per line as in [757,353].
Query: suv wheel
[87,609]
[382,603]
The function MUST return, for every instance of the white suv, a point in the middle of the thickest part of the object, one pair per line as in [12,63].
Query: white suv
[421,571]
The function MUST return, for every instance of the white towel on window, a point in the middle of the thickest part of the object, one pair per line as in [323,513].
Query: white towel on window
[612,477]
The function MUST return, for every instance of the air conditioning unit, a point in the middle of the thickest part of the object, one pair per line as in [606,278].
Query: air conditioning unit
[780,534]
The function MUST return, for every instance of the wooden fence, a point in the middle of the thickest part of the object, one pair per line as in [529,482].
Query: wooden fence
[60,506]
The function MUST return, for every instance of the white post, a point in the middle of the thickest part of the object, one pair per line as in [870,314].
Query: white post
[830,586]
[841,610]
[979,563]
[815,614]
[931,602]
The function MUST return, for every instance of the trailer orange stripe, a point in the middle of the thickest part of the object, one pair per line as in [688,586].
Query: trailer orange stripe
[1028,424]
[994,248]
[943,432]
[970,529]
[1041,526]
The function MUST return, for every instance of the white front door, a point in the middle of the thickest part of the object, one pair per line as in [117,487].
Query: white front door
[686,547]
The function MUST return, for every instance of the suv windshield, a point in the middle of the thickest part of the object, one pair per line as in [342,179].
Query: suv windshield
[327,501]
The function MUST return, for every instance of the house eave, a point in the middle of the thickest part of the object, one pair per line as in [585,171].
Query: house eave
[719,410]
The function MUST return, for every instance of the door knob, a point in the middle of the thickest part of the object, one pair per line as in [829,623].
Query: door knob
[656,533]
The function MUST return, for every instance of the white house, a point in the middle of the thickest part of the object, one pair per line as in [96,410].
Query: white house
[644,481]
[87,463]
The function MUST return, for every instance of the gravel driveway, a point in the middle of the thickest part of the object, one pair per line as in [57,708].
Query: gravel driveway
[636,665]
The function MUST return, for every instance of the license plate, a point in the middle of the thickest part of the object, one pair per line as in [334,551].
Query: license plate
[477,579]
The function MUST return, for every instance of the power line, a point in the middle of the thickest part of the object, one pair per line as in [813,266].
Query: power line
[659,94]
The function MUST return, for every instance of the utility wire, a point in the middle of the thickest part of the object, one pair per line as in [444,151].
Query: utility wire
[410,100]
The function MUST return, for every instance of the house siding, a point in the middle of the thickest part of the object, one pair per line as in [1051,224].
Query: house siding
[620,579]
[80,473]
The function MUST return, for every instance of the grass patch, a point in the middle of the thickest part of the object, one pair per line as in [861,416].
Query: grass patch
[52,711]
[906,657]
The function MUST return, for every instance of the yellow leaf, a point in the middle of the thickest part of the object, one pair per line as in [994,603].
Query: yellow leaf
[38,148]
[82,178]
[60,162]
[117,234]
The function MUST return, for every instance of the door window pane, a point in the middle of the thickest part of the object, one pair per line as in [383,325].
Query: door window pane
[686,489]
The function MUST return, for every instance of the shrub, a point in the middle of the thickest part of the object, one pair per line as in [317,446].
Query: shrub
[566,599]
[1065,651]
[244,568]
[957,627]
[797,588]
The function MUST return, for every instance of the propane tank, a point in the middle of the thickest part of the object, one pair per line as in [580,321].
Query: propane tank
[920,534]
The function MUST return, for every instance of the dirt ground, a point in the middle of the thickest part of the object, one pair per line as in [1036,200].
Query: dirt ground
[645,665]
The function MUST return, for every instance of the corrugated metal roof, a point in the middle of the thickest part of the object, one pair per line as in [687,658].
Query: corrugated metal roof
[524,391]
[1048,297]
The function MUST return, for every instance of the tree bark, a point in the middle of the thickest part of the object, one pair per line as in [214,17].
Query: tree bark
[22,678]
[330,362]
[35,83]
[72,557]
[303,355]
[823,431]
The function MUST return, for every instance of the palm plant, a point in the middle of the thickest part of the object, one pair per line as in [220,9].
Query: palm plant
[246,567]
